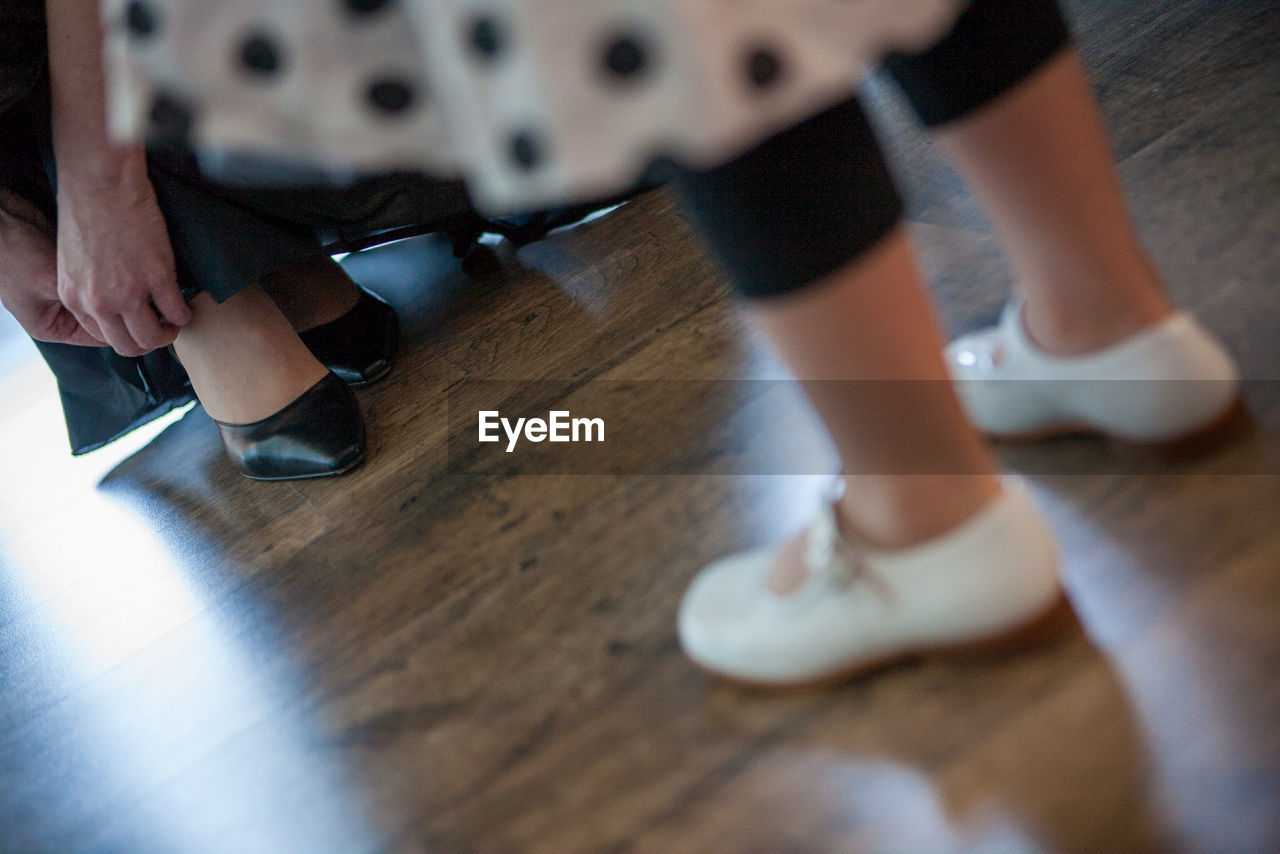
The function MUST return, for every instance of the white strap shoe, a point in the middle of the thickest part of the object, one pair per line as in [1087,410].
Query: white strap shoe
[1162,386]
[986,586]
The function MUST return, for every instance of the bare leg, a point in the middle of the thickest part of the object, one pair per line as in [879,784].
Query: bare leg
[914,466]
[244,358]
[1039,159]
[313,293]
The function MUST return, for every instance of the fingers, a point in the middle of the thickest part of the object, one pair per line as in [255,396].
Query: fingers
[65,330]
[80,338]
[117,335]
[170,304]
[115,265]
[89,325]
[134,331]
[134,334]
[106,327]
[146,330]
[88,319]
[51,321]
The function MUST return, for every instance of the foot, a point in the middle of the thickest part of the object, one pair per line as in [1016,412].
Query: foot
[1079,328]
[988,583]
[321,434]
[244,359]
[1162,384]
[351,331]
[361,344]
[313,293]
[889,514]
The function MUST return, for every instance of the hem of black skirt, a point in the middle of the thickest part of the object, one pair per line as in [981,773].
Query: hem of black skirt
[141,421]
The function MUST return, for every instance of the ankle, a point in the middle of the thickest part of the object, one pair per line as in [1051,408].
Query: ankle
[313,293]
[904,511]
[891,513]
[244,360]
[1077,329]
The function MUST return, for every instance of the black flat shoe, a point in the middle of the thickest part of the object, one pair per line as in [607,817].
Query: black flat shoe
[320,434]
[360,345]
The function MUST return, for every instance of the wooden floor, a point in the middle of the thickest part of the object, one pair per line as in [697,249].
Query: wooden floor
[414,660]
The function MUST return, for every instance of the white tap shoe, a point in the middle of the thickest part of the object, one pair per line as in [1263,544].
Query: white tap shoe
[1160,387]
[989,585]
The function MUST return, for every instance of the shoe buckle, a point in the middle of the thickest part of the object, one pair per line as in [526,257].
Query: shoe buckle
[830,558]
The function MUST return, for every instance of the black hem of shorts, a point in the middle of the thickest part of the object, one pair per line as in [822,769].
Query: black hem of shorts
[993,46]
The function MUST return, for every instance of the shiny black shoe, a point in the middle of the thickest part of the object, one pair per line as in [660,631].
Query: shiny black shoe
[321,434]
[360,345]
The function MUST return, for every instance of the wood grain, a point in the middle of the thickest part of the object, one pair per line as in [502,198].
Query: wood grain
[408,660]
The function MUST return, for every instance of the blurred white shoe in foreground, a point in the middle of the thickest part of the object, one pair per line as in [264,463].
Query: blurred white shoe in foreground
[988,585]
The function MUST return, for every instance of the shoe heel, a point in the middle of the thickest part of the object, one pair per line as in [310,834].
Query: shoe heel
[1235,422]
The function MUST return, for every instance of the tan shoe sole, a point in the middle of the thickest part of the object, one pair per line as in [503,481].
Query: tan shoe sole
[1050,624]
[1234,422]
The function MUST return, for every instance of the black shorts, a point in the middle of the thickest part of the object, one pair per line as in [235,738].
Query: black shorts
[814,198]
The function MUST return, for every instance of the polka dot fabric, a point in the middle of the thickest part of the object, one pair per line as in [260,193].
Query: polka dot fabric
[534,102]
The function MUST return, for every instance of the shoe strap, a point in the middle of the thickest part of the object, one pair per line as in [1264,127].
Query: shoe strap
[832,559]
[1013,336]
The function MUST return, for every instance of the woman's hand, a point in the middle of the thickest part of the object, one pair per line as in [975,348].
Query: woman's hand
[29,276]
[115,263]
